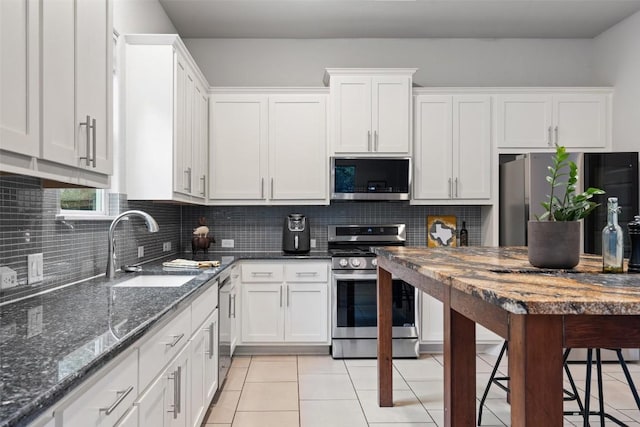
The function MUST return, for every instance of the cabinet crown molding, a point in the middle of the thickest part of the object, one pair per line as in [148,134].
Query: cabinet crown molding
[409,72]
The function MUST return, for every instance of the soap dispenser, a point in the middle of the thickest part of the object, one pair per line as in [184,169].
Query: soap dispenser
[634,235]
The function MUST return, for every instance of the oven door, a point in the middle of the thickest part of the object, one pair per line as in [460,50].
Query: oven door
[354,306]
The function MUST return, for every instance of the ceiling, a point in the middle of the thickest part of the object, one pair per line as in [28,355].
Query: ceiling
[396,18]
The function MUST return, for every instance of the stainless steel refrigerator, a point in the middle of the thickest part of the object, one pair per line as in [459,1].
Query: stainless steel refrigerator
[523,187]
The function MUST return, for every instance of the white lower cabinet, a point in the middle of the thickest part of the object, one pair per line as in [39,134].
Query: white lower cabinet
[204,368]
[106,400]
[293,310]
[164,404]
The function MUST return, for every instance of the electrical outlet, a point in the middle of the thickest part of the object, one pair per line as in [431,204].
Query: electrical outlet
[166,246]
[140,251]
[312,243]
[8,278]
[228,243]
[34,321]
[35,267]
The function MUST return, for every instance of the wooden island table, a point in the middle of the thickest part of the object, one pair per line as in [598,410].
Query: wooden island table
[539,312]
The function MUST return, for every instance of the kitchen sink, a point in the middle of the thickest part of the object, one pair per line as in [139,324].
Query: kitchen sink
[155,281]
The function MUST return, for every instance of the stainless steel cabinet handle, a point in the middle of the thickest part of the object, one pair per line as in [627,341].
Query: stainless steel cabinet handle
[187,173]
[211,337]
[229,312]
[288,295]
[556,131]
[93,127]
[375,140]
[203,179]
[176,338]
[262,188]
[550,143]
[306,273]
[114,405]
[262,273]
[87,158]
[280,296]
[234,306]
[456,188]
[176,393]
[368,140]
[179,389]
[272,188]
[450,190]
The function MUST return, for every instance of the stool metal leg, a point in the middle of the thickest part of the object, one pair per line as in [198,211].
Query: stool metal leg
[587,392]
[492,379]
[627,375]
[600,393]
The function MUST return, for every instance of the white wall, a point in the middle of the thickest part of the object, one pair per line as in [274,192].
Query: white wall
[141,17]
[617,59]
[441,62]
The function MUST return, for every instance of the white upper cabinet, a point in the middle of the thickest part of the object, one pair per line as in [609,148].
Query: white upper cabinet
[371,110]
[56,85]
[19,79]
[542,120]
[76,84]
[166,119]
[452,148]
[268,149]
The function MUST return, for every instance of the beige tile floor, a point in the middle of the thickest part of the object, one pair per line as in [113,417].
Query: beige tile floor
[318,391]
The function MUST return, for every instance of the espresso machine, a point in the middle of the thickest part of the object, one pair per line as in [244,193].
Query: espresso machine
[295,234]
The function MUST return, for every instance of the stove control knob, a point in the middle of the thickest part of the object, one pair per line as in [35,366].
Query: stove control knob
[374,262]
[355,262]
[343,262]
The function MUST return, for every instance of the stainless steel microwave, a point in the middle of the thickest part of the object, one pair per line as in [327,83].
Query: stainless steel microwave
[370,178]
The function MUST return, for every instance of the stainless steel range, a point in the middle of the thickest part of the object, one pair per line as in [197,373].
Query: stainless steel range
[353,302]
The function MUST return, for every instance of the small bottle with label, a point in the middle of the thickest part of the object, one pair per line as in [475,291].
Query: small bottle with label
[612,240]
[464,235]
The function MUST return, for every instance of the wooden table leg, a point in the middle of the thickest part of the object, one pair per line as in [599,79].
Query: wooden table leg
[385,323]
[535,369]
[459,367]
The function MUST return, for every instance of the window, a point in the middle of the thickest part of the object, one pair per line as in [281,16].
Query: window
[82,202]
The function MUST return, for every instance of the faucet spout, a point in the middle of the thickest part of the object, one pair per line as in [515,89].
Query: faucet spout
[152,226]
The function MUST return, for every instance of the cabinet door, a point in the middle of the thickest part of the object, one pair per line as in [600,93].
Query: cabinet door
[580,120]
[433,148]
[524,121]
[238,144]
[391,114]
[432,328]
[472,147]
[262,312]
[182,132]
[197,386]
[108,399]
[200,151]
[94,43]
[211,358]
[154,403]
[351,106]
[19,79]
[306,313]
[298,148]
[58,82]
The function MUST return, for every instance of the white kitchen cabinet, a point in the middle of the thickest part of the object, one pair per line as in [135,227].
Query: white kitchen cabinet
[164,404]
[19,76]
[204,368]
[77,84]
[165,121]
[56,85]
[542,120]
[452,148]
[228,312]
[371,110]
[268,149]
[293,310]
[107,399]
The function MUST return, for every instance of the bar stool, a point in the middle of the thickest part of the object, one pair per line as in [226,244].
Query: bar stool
[493,379]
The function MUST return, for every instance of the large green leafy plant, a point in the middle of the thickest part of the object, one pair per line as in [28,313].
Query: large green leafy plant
[571,206]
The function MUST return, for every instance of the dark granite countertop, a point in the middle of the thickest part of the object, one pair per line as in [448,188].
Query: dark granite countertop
[504,277]
[85,325]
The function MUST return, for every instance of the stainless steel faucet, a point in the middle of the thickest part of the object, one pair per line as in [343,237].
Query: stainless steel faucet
[152,226]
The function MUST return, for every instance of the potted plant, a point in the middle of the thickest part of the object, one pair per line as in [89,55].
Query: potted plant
[554,237]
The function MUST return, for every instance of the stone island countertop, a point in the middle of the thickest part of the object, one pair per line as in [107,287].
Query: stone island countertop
[504,277]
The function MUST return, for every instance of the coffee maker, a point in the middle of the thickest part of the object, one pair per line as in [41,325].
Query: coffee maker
[295,234]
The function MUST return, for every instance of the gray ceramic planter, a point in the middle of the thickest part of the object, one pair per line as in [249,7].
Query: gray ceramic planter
[554,244]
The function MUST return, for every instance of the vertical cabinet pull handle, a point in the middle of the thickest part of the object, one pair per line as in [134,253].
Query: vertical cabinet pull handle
[234,306]
[550,143]
[272,188]
[93,128]
[121,395]
[556,131]
[179,401]
[375,140]
[211,338]
[280,296]
[203,179]
[87,157]
[288,295]
[176,392]
[262,188]
[456,188]
[450,190]
[368,140]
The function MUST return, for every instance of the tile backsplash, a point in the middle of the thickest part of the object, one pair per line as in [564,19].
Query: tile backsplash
[259,228]
[77,249]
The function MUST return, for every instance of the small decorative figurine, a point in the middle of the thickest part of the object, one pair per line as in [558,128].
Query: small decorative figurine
[201,239]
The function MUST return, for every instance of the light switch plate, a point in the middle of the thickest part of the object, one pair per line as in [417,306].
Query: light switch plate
[140,251]
[35,267]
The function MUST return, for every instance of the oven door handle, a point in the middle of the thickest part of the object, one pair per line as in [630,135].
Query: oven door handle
[363,276]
